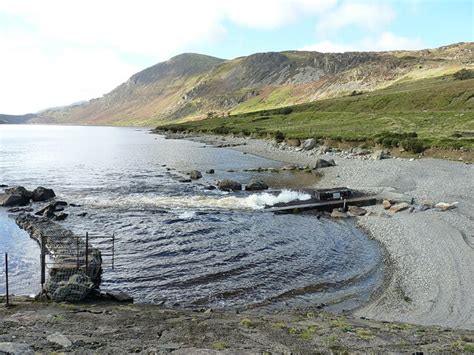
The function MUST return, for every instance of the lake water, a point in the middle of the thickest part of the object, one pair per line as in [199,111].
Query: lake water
[180,243]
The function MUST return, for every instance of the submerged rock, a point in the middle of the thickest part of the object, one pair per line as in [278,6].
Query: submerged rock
[256,185]
[210,171]
[229,185]
[195,174]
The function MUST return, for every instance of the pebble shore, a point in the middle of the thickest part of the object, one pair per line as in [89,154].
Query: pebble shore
[430,254]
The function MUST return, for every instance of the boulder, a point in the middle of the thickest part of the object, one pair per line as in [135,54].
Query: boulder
[210,187]
[60,217]
[321,163]
[386,204]
[379,155]
[195,174]
[309,144]
[210,171]
[42,194]
[229,185]
[323,149]
[338,213]
[360,151]
[256,185]
[399,207]
[13,200]
[19,190]
[357,211]
[293,142]
[16,348]
[59,339]
[444,206]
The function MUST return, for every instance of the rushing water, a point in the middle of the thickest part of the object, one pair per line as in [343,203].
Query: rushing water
[179,242]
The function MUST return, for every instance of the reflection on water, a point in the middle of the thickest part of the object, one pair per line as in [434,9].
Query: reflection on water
[179,242]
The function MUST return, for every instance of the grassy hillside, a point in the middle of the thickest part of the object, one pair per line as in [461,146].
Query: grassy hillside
[189,86]
[439,110]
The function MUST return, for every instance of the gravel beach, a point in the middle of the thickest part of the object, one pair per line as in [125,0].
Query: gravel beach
[430,254]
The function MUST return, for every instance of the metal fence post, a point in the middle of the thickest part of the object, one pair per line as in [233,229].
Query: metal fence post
[77,253]
[43,261]
[113,250]
[6,280]
[87,253]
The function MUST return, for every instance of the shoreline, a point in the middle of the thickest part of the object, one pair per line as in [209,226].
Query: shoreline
[430,253]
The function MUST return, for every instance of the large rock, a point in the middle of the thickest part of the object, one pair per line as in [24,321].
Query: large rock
[19,190]
[386,204]
[399,207]
[42,194]
[379,155]
[309,144]
[321,163]
[59,339]
[357,211]
[13,200]
[256,185]
[293,142]
[338,213]
[195,174]
[229,185]
[16,348]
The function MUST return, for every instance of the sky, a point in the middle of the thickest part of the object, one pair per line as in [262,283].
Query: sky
[56,52]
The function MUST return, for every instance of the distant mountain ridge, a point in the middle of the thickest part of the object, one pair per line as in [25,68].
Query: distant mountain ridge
[189,86]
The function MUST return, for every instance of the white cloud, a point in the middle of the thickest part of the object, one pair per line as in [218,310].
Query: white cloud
[370,16]
[386,41]
[64,51]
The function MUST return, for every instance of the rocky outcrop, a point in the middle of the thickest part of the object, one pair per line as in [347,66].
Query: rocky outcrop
[70,279]
[42,194]
[13,200]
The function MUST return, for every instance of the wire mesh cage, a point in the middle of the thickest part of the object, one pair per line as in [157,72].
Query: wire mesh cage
[68,268]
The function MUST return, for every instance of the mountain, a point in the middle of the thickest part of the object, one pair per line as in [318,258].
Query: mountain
[16,119]
[190,86]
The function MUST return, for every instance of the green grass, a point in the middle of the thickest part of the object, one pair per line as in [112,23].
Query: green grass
[440,110]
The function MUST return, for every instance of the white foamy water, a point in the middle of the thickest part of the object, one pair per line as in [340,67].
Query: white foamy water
[254,201]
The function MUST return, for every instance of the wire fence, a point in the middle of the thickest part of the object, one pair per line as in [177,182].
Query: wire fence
[67,268]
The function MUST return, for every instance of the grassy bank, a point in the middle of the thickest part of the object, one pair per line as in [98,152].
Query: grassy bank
[435,112]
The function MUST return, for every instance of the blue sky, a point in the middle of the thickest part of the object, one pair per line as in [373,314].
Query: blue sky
[56,52]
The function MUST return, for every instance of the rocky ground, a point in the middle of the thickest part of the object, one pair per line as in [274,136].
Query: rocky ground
[429,254]
[106,328]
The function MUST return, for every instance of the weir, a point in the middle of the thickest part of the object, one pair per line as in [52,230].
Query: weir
[325,200]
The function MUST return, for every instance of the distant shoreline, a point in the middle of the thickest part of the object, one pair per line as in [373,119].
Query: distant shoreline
[430,256]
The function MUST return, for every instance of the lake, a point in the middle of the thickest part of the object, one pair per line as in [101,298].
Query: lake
[179,243]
